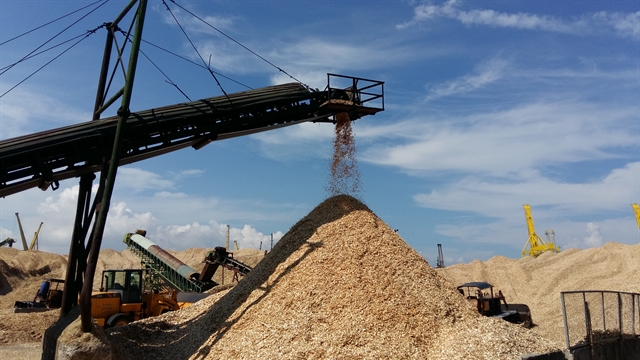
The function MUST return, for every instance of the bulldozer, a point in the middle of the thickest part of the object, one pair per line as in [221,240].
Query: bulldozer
[480,296]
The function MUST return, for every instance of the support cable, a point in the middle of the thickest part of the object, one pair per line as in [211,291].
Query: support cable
[50,22]
[197,52]
[195,63]
[44,51]
[90,32]
[237,42]
[168,80]
[53,37]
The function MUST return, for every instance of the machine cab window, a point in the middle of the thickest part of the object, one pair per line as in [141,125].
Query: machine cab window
[126,282]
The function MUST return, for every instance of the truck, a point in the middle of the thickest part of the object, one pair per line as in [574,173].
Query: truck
[481,297]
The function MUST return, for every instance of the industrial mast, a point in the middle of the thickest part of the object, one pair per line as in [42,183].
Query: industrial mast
[535,245]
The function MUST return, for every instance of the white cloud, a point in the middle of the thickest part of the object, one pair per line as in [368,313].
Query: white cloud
[625,25]
[297,142]
[621,24]
[505,142]
[136,179]
[496,198]
[25,111]
[595,238]
[486,73]
[192,25]
[211,235]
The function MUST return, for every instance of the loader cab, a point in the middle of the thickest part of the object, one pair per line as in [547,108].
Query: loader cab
[126,282]
[480,296]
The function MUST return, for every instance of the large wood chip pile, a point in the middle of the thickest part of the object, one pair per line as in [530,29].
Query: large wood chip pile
[538,282]
[339,284]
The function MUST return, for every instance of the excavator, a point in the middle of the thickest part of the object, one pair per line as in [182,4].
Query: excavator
[8,242]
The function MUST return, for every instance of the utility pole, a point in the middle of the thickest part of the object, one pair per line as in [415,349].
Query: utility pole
[440,262]
[227,242]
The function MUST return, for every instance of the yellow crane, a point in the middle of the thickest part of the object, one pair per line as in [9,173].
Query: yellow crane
[535,245]
[636,210]
[34,241]
[24,240]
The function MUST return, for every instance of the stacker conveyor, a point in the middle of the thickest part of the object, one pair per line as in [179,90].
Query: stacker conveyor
[45,158]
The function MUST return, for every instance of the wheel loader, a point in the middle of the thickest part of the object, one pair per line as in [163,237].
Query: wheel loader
[122,298]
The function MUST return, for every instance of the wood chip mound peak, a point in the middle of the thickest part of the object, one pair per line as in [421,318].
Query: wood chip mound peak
[340,284]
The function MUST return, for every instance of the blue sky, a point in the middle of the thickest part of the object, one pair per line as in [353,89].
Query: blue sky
[489,105]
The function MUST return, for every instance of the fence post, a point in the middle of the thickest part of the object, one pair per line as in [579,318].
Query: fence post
[564,318]
[604,317]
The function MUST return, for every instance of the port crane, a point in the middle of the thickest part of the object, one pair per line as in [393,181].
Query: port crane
[34,241]
[535,245]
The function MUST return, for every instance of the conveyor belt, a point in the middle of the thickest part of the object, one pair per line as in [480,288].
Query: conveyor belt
[44,158]
[170,268]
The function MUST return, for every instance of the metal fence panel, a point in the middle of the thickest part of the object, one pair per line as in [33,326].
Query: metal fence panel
[595,316]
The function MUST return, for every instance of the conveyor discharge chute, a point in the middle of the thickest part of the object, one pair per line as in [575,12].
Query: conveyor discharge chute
[221,257]
[167,266]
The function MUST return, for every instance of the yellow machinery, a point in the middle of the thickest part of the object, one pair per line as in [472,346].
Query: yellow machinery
[121,299]
[535,245]
[34,242]
[636,210]
[24,240]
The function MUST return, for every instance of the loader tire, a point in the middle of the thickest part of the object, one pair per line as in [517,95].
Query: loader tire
[117,320]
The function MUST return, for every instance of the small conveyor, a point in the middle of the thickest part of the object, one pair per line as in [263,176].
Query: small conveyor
[168,267]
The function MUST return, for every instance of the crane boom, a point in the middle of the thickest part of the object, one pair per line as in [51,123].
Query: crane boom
[34,242]
[24,240]
[636,210]
[535,245]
